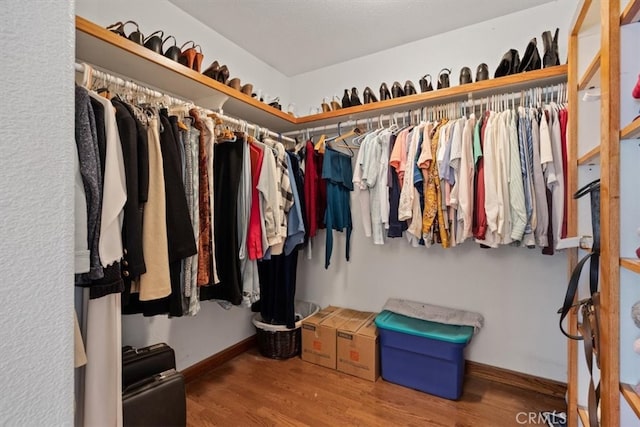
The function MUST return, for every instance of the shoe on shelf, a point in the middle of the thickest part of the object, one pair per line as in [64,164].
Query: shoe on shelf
[325,106]
[465,76]
[247,89]
[384,92]
[335,104]
[173,52]
[354,97]
[155,41]
[346,99]
[425,85]
[509,64]
[551,57]
[368,96]
[235,83]
[192,56]
[443,78]
[531,58]
[135,36]
[212,70]
[396,90]
[409,88]
[223,74]
[482,72]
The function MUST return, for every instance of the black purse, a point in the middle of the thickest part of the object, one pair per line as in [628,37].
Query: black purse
[588,307]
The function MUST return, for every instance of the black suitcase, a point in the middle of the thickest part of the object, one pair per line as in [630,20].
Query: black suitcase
[141,363]
[153,392]
[155,401]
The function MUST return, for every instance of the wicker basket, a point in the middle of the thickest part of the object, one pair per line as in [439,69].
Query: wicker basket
[278,341]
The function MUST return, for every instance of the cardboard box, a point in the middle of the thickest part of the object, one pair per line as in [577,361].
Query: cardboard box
[319,335]
[357,347]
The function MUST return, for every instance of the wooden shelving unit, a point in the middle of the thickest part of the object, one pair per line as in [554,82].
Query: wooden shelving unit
[631,397]
[630,264]
[584,416]
[591,75]
[631,13]
[631,131]
[119,56]
[589,156]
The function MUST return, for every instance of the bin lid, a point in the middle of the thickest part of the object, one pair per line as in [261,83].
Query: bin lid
[423,328]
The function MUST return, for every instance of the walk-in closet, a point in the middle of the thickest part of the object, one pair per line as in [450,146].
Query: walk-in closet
[321,213]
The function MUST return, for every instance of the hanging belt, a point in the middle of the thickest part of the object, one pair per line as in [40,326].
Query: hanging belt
[589,307]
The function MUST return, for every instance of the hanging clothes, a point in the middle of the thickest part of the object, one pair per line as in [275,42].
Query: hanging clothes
[338,175]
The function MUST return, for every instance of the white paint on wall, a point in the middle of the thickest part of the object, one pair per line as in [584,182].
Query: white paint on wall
[36,213]
[152,15]
[469,46]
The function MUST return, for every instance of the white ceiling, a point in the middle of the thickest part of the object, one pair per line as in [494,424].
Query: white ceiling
[296,36]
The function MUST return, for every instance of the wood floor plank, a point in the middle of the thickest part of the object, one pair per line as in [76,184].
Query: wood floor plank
[251,390]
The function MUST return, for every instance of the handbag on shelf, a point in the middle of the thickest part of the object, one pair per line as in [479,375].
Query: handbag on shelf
[588,307]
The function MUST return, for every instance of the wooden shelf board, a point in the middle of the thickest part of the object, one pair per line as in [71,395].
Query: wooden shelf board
[120,56]
[631,131]
[631,13]
[589,156]
[632,397]
[591,76]
[545,76]
[630,264]
[584,416]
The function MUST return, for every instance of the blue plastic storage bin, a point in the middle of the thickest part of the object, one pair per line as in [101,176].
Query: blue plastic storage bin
[426,356]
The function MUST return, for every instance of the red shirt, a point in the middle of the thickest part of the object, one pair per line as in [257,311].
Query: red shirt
[310,190]
[479,214]
[254,234]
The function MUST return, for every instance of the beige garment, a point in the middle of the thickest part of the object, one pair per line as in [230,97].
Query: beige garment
[103,373]
[156,282]
[80,357]
[210,140]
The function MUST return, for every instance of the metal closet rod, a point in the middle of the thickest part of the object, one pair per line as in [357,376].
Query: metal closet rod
[137,87]
[540,93]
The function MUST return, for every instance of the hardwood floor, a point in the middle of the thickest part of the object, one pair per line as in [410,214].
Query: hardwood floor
[253,390]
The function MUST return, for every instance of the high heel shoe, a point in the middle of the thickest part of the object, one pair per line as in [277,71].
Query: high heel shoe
[465,75]
[247,89]
[531,58]
[212,70]
[135,36]
[384,92]
[346,99]
[154,42]
[409,88]
[234,83]
[551,57]
[368,96]
[443,78]
[190,57]
[173,52]
[335,105]
[396,90]
[223,74]
[482,72]
[509,64]
[354,97]
[276,104]
[325,106]
[425,85]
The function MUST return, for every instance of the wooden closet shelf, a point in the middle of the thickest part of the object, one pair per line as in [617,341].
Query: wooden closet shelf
[515,82]
[589,156]
[122,57]
[632,130]
[631,13]
[632,397]
[630,264]
[591,76]
[118,55]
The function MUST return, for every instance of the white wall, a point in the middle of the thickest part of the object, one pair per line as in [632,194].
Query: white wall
[36,206]
[469,46]
[152,15]
[517,290]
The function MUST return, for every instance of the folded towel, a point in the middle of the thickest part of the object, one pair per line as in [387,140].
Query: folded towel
[434,313]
